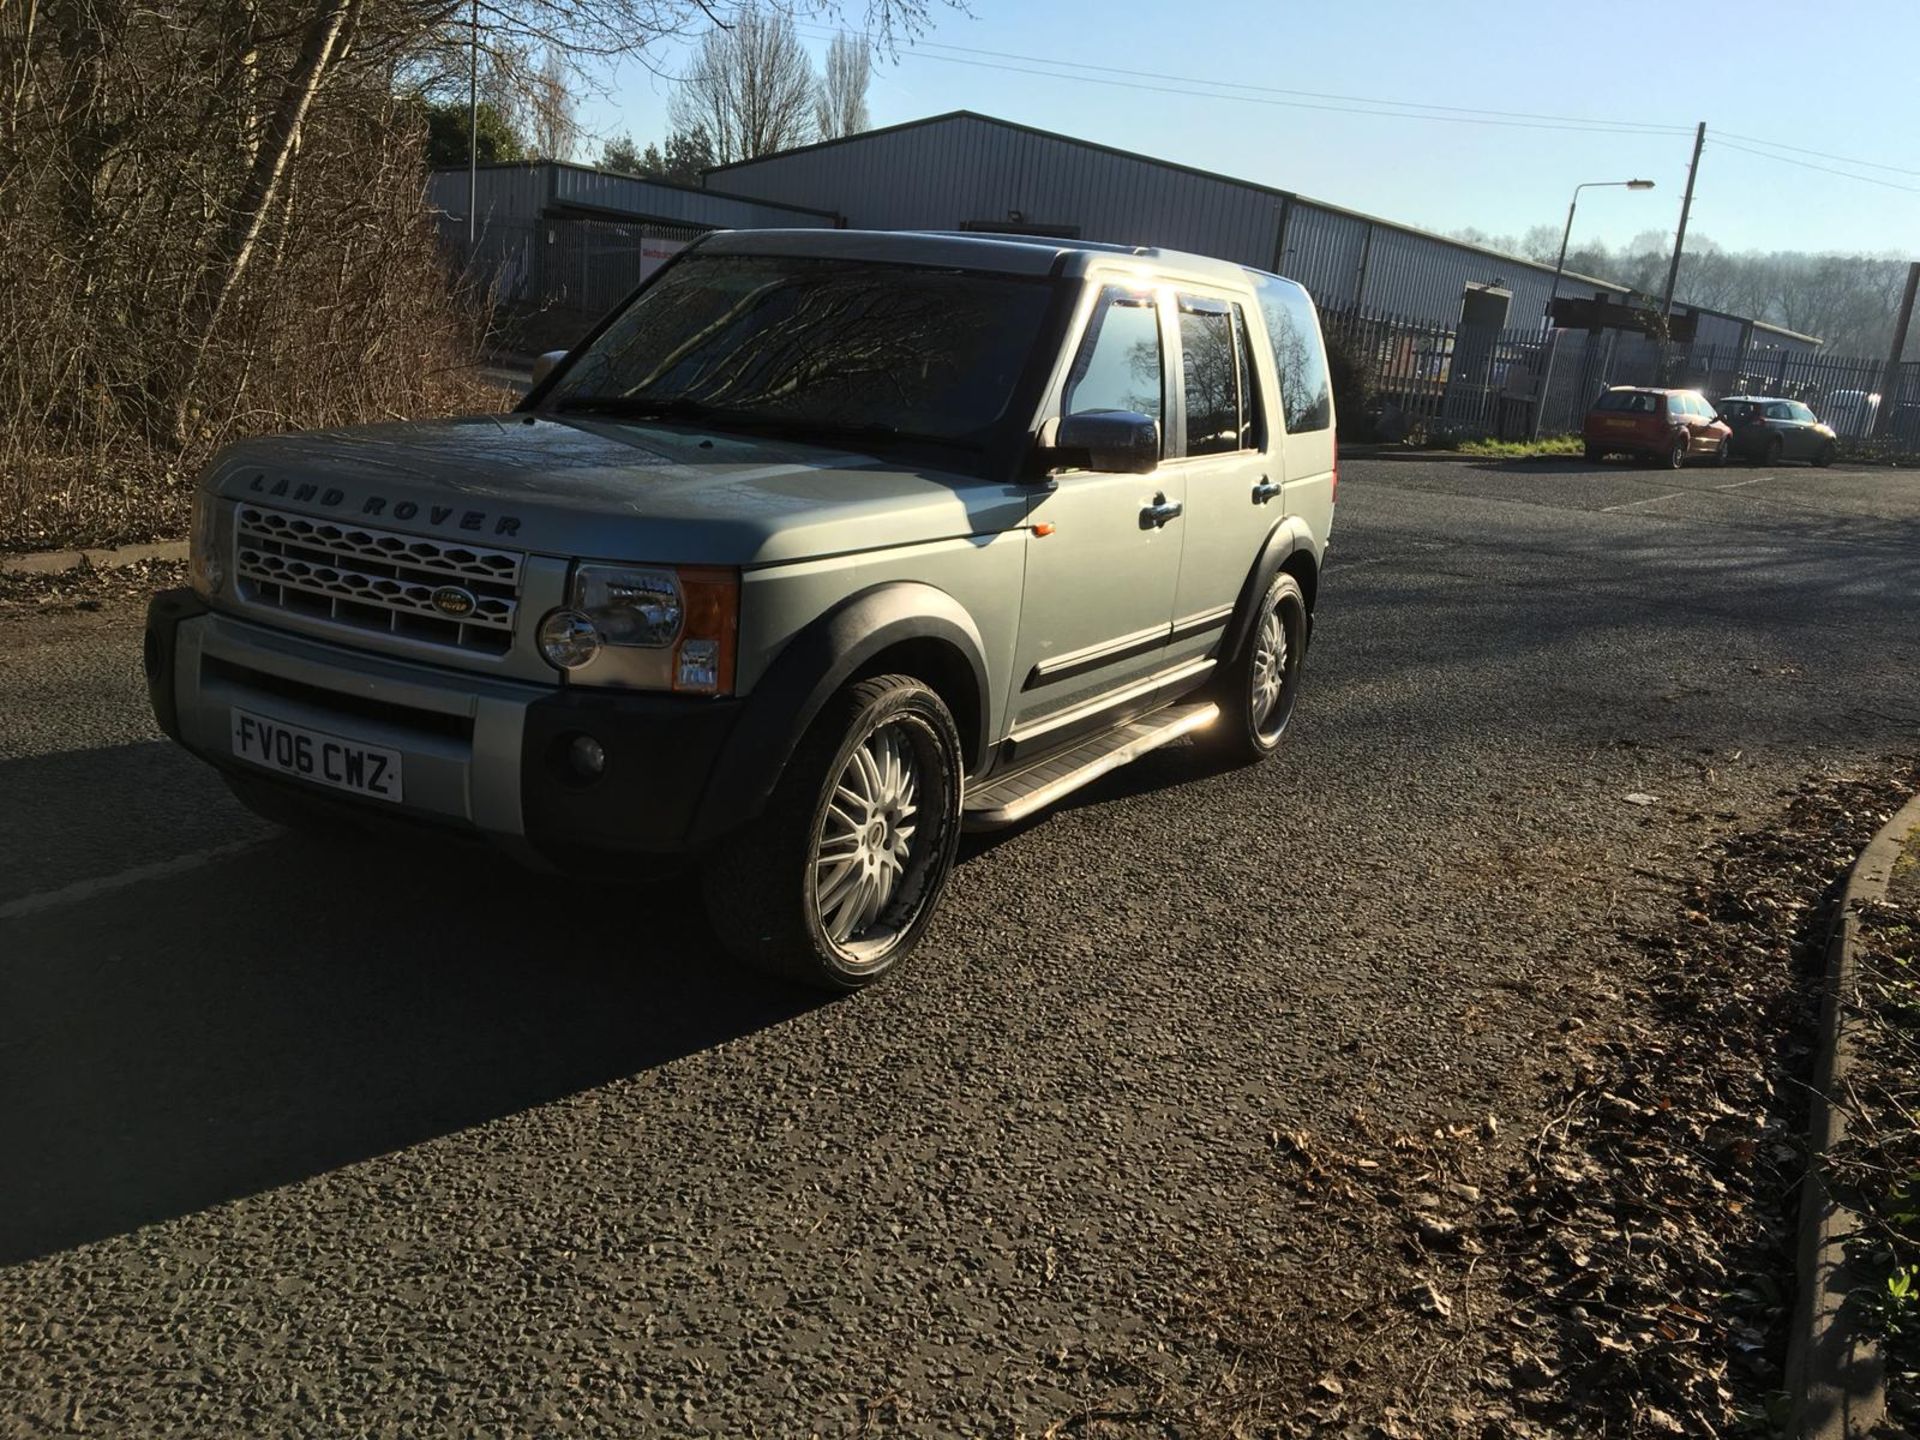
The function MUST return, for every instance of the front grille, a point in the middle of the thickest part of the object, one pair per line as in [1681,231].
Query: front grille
[376,580]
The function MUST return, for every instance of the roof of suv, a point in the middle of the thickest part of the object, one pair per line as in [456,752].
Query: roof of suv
[1008,254]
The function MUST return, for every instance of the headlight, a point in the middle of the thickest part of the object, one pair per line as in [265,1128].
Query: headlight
[647,627]
[205,571]
[629,606]
[568,640]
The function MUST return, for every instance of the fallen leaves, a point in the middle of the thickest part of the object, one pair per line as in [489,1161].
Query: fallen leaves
[1625,1267]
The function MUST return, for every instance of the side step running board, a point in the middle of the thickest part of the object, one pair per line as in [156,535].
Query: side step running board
[1008,798]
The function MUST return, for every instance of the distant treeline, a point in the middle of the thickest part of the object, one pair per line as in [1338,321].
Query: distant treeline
[1849,301]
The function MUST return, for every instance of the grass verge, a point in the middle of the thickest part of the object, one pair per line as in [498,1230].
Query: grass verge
[1875,1169]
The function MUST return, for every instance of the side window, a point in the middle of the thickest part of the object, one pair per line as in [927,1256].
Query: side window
[1306,394]
[1801,413]
[1253,426]
[1779,411]
[1209,377]
[1118,367]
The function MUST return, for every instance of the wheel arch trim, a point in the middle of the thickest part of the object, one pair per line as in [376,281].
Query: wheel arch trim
[815,663]
[1291,537]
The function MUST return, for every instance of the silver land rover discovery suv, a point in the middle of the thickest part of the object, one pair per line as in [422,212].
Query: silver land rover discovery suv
[823,547]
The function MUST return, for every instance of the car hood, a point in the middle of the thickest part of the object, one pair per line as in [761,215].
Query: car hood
[591,488]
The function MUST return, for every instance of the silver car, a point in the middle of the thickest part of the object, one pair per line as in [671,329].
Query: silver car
[821,548]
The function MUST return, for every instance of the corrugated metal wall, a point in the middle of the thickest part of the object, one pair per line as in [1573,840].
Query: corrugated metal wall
[510,194]
[969,169]
[518,193]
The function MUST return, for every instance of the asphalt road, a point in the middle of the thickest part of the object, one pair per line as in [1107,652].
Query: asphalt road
[298,1141]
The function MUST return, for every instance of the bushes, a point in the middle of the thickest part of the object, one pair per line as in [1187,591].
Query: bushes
[1353,399]
[131,143]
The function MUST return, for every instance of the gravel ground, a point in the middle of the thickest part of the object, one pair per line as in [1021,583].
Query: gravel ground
[310,1142]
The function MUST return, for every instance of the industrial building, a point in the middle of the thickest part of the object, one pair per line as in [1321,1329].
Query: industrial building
[568,241]
[963,171]
[519,193]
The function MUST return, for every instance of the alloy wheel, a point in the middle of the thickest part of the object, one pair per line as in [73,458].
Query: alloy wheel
[865,861]
[1272,652]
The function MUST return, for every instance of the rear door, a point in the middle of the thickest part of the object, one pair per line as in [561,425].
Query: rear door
[1102,562]
[1806,440]
[1780,426]
[1233,483]
[1301,419]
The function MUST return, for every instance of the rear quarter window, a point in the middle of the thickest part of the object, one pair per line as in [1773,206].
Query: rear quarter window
[1299,358]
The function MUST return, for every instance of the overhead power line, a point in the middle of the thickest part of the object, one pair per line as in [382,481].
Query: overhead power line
[1802,150]
[1583,129]
[1201,87]
[922,49]
[1809,165]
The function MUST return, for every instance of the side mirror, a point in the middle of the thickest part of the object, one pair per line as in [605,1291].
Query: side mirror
[543,366]
[1113,442]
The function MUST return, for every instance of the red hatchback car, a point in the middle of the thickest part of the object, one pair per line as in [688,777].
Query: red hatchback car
[1667,427]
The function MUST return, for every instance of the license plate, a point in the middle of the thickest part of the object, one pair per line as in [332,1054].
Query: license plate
[317,756]
[1620,424]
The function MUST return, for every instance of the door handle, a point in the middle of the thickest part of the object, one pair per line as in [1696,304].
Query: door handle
[1264,491]
[1157,514]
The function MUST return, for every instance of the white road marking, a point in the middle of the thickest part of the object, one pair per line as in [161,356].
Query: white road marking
[1356,564]
[86,889]
[1650,500]
[1736,484]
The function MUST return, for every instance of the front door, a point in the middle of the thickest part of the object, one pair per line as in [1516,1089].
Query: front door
[1103,557]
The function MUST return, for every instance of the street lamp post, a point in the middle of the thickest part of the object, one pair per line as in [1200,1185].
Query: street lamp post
[1559,268]
[473,130]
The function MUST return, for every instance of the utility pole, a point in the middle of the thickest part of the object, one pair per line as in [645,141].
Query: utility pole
[473,130]
[1686,205]
[1890,386]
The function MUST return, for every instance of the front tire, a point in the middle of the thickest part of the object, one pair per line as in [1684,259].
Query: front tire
[1825,455]
[1677,453]
[1261,684]
[835,883]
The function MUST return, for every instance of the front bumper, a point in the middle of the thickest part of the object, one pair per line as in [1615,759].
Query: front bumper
[479,754]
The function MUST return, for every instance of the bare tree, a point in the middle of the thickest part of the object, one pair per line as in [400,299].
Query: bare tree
[552,111]
[840,105]
[750,88]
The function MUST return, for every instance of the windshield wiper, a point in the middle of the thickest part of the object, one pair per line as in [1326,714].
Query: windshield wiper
[679,407]
[854,431]
[636,407]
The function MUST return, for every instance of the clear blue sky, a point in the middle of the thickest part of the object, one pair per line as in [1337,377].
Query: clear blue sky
[1843,78]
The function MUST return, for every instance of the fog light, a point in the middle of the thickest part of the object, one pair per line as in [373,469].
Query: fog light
[568,640]
[587,756]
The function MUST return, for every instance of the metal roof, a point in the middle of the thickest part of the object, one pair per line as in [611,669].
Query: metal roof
[1319,213]
[1014,254]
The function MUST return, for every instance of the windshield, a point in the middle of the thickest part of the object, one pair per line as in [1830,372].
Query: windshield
[825,346]
[1634,401]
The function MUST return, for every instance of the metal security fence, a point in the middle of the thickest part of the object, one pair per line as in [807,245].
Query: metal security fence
[1421,377]
[550,280]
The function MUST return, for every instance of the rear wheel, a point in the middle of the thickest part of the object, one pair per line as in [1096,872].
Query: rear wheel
[834,885]
[1260,685]
[1595,454]
[1676,455]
